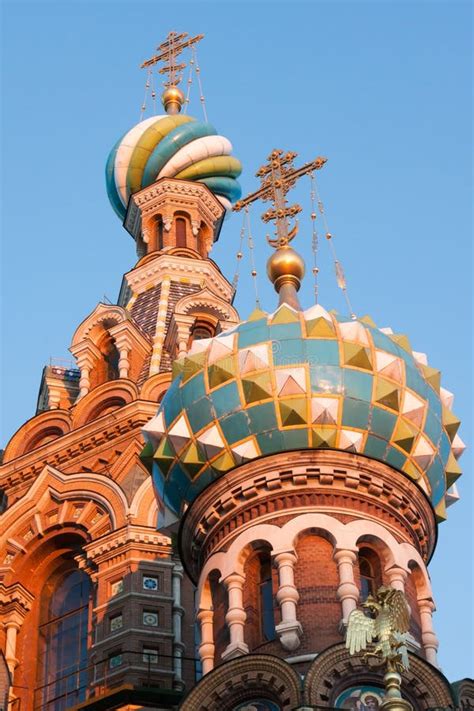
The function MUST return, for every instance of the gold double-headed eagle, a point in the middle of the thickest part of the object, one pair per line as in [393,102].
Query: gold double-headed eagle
[384,633]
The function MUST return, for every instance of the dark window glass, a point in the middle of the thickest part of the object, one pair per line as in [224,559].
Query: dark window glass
[266,598]
[367,578]
[180,232]
[63,641]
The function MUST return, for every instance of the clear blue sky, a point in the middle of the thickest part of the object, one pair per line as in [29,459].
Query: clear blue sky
[380,88]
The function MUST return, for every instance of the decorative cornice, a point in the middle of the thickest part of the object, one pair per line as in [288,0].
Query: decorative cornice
[197,271]
[73,446]
[130,537]
[326,481]
[334,670]
[244,678]
[186,192]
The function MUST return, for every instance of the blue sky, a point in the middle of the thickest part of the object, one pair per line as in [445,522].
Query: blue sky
[380,88]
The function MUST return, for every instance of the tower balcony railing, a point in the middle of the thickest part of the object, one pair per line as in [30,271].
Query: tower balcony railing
[148,669]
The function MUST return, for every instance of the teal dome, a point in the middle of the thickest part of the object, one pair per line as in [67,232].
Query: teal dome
[302,380]
[176,146]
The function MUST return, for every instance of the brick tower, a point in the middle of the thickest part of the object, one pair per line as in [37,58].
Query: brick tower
[94,605]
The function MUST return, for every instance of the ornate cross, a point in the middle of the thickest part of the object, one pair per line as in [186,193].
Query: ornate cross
[168,52]
[277,177]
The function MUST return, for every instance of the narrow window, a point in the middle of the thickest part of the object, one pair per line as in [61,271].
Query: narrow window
[180,232]
[267,621]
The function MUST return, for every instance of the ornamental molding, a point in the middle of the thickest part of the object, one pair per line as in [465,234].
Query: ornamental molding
[206,299]
[15,599]
[174,268]
[334,671]
[327,481]
[75,446]
[245,678]
[186,193]
[129,538]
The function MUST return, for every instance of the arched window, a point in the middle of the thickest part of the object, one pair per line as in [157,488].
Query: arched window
[267,620]
[180,232]
[61,678]
[370,572]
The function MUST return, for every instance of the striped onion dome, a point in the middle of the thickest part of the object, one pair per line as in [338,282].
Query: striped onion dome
[175,146]
[302,380]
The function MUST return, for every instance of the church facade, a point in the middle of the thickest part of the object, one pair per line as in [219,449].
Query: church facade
[196,509]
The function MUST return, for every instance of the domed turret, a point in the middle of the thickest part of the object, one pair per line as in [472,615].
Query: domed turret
[294,380]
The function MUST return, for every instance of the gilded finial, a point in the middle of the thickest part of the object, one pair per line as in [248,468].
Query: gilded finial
[172,97]
[285,267]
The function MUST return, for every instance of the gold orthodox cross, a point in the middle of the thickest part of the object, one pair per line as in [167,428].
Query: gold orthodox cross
[277,177]
[169,50]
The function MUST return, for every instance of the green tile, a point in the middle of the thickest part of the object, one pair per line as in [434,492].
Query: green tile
[226,399]
[358,385]
[382,422]
[355,413]
[288,351]
[262,417]
[326,379]
[200,414]
[253,332]
[437,480]
[322,352]
[375,447]
[432,427]
[193,389]
[395,458]
[295,439]
[270,442]
[235,427]
[282,331]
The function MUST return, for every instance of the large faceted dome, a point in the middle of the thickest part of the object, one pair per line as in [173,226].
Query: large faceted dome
[295,380]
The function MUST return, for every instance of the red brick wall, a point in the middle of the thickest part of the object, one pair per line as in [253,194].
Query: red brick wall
[316,579]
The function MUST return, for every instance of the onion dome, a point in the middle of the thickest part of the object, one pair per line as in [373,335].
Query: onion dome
[171,146]
[302,380]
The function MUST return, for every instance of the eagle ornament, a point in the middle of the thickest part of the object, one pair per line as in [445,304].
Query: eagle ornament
[384,633]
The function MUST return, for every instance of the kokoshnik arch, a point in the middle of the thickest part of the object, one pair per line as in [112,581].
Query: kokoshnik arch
[196,508]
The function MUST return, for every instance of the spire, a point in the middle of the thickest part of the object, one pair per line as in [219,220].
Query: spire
[172,97]
[285,267]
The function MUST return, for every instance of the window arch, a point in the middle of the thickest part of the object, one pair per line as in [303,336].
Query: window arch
[61,671]
[370,572]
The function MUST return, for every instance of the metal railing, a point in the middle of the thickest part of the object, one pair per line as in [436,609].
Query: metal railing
[144,669]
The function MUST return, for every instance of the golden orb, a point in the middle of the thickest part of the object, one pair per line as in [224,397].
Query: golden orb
[285,265]
[172,99]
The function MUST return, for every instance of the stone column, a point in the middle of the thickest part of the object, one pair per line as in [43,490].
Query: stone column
[124,363]
[347,591]
[178,611]
[289,630]
[12,628]
[86,355]
[207,647]
[235,617]
[397,577]
[428,636]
